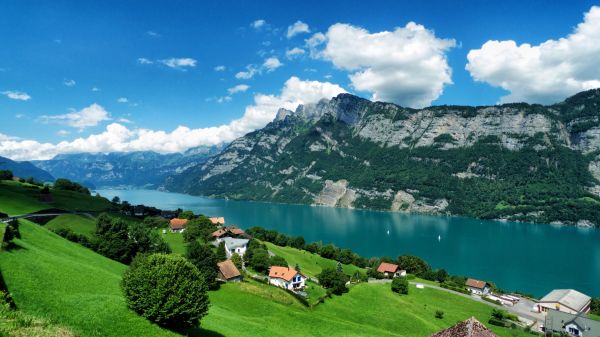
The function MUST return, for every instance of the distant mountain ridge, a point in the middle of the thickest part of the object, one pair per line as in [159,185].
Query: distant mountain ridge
[513,161]
[25,169]
[124,169]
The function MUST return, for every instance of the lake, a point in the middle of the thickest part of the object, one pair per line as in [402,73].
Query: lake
[532,258]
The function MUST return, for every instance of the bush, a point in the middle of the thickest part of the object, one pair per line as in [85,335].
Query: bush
[497,322]
[6,175]
[237,260]
[333,280]
[205,260]
[278,261]
[166,289]
[439,314]
[400,285]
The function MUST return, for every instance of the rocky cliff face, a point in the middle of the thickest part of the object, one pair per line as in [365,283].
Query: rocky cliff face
[514,161]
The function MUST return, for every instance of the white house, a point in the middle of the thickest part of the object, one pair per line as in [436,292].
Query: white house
[287,278]
[574,325]
[565,300]
[391,270]
[477,287]
[235,246]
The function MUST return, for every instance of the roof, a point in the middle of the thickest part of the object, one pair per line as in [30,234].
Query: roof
[232,243]
[284,273]
[567,297]
[236,231]
[178,223]
[228,269]
[217,220]
[473,283]
[387,267]
[468,328]
[219,232]
[556,320]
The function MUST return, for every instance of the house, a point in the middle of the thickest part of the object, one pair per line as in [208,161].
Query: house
[565,300]
[477,287]
[177,225]
[287,278]
[217,220]
[575,325]
[391,270]
[469,328]
[168,214]
[229,231]
[139,210]
[235,246]
[228,272]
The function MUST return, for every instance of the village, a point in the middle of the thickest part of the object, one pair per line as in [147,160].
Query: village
[561,311]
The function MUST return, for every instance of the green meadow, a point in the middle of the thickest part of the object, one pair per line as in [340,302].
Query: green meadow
[72,286]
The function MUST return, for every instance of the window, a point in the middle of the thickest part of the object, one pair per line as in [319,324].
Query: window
[573,331]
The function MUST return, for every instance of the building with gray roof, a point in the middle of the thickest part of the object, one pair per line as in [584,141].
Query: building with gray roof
[565,300]
[575,325]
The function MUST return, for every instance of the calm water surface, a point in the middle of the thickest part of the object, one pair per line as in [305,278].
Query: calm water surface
[529,257]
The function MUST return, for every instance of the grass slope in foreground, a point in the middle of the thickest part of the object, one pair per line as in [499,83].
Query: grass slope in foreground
[78,224]
[53,278]
[67,284]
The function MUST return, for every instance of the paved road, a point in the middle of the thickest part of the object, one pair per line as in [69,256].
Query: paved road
[40,215]
[523,310]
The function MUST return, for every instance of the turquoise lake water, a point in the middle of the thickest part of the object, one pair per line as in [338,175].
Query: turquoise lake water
[533,258]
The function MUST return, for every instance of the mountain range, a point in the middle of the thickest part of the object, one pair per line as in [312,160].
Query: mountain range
[522,162]
[145,169]
[25,169]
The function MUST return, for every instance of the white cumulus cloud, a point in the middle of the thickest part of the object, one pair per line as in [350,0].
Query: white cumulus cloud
[250,71]
[258,24]
[220,68]
[298,27]
[69,83]
[143,60]
[294,52]
[238,88]
[407,66]
[272,63]
[179,63]
[544,73]
[117,137]
[86,117]
[122,100]
[16,95]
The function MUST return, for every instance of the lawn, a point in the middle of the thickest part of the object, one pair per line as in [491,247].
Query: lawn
[79,224]
[310,264]
[367,310]
[174,240]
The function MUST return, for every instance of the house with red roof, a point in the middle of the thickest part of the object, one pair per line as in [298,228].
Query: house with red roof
[177,225]
[391,270]
[229,231]
[228,272]
[287,278]
[477,287]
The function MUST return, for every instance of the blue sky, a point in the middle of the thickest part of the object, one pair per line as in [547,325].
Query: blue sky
[68,69]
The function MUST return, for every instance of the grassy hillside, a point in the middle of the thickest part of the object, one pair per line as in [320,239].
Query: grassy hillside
[72,286]
[78,224]
[174,240]
[310,264]
[21,198]
[53,278]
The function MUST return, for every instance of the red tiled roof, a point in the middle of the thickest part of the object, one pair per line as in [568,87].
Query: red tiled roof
[228,269]
[178,223]
[284,273]
[217,220]
[475,283]
[219,232]
[385,267]
[468,328]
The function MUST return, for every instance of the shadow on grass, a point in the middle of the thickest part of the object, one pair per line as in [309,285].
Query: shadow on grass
[10,246]
[200,332]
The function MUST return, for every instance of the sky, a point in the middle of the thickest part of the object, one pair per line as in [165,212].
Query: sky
[166,76]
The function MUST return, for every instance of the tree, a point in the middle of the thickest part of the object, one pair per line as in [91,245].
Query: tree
[297,242]
[221,252]
[333,280]
[116,200]
[112,239]
[186,215]
[6,175]
[297,267]
[145,240]
[67,185]
[328,251]
[205,260]
[339,268]
[595,306]
[400,285]
[414,265]
[441,275]
[346,256]
[199,228]
[45,190]
[238,261]
[278,261]
[166,289]
[260,260]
